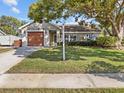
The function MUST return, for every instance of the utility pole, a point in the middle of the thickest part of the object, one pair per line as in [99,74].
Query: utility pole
[63,40]
[63,35]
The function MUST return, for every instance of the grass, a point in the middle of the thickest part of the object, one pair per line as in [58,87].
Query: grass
[4,50]
[79,60]
[61,90]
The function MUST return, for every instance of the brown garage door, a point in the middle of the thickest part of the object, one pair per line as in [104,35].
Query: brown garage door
[35,38]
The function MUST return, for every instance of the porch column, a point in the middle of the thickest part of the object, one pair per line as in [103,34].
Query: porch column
[57,37]
[46,38]
[69,38]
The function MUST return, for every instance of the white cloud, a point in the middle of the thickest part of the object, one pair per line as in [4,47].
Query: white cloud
[11,2]
[15,10]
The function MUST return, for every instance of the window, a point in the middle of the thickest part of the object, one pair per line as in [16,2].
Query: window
[73,38]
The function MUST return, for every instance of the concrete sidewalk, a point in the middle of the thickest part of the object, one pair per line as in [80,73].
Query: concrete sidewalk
[13,57]
[62,80]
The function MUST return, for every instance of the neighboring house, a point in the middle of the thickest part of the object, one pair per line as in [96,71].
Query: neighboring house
[75,33]
[2,33]
[39,34]
[7,40]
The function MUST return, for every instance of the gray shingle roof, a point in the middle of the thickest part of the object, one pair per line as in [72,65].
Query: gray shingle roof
[79,28]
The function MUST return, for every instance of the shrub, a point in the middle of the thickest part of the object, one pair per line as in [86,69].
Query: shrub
[108,41]
[82,43]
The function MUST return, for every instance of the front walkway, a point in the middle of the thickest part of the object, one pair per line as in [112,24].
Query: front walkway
[13,57]
[62,80]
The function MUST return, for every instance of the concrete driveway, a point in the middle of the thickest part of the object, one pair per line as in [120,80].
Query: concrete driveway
[13,57]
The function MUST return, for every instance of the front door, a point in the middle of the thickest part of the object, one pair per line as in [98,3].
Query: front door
[35,39]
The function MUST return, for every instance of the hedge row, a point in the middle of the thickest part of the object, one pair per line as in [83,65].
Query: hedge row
[82,43]
[107,41]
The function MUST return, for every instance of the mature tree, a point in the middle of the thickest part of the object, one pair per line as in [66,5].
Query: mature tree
[109,13]
[9,24]
[51,9]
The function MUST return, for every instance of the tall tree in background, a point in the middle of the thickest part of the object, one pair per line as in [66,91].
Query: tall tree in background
[109,13]
[9,24]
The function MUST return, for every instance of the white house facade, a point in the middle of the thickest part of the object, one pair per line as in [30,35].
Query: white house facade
[74,33]
[39,34]
[47,34]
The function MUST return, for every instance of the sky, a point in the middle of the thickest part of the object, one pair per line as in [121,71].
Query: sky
[19,9]
[15,8]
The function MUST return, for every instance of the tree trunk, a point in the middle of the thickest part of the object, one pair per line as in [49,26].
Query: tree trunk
[120,37]
[118,31]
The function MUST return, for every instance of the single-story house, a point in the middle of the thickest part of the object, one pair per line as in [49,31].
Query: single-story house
[75,33]
[39,34]
[47,34]
[7,40]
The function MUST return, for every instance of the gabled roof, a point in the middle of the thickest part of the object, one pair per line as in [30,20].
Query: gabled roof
[25,25]
[38,26]
[55,26]
[2,33]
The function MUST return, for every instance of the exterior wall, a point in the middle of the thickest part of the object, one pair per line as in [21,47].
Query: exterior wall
[23,36]
[73,37]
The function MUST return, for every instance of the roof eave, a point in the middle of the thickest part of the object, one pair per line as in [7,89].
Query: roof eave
[20,28]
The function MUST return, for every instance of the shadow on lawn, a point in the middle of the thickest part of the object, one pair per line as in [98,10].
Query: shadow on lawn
[51,55]
[78,53]
[114,55]
[102,53]
[54,55]
[103,67]
[116,76]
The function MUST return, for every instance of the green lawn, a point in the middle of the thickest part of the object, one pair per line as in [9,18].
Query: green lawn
[79,60]
[4,50]
[61,90]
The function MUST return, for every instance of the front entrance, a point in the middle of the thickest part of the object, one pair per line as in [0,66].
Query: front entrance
[53,38]
[35,38]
